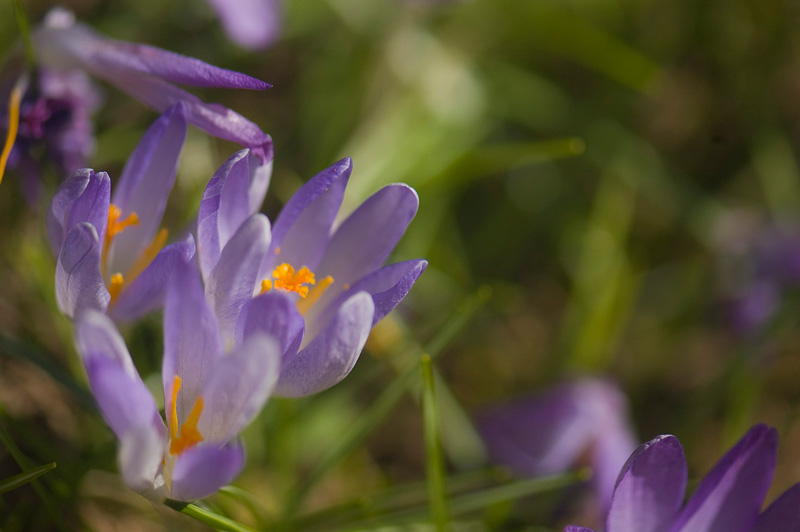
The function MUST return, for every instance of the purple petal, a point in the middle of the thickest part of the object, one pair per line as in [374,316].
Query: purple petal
[146,292]
[332,354]
[611,449]
[238,387]
[212,118]
[96,336]
[275,314]
[82,197]
[650,488]
[540,435]
[140,452]
[783,515]
[145,185]
[572,528]
[366,237]
[387,286]
[228,202]
[124,400]
[233,280]
[192,344]
[72,45]
[729,498]
[303,228]
[202,470]
[252,24]
[79,284]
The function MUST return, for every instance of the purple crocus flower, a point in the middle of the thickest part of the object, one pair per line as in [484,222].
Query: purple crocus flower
[551,432]
[317,288]
[54,115]
[252,24]
[147,73]
[650,489]
[209,396]
[111,253]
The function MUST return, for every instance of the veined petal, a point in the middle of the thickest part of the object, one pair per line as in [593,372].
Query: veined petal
[233,280]
[202,470]
[729,498]
[146,292]
[76,45]
[783,515]
[303,227]
[252,24]
[140,452]
[192,344]
[145,185]
[387,286]
[332,354]
[233,194]
[650,488]
[369,234]
[238,387]
[79,284]
[275,314]
[82,197]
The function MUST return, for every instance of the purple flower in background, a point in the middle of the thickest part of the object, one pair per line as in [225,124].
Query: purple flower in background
[209,396]
[650,490]
[252,24]
[111,254]
[55,115]
[147,73]
[551,432]
[317,288]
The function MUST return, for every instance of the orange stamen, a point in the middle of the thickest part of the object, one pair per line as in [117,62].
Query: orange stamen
[303,305]
[188,436]
[14,103]
[286,279]
[114,227]
[117,280]
[148,255]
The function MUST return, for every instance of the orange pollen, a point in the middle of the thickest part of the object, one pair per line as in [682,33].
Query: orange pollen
[286,279]
[188,436]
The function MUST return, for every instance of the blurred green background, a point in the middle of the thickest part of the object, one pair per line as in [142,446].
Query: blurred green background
[592,177]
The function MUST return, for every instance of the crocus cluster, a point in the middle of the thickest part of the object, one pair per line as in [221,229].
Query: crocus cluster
[584,419]
[649,494]
[282,309]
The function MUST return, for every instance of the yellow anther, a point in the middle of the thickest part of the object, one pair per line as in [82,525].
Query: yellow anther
[148,255]
[188,436]
[115,287]
[266,286]
[286,279]
[304,305]
[114,227]
[14,103]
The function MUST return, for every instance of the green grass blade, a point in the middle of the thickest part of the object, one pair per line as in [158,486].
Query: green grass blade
[25,31]
[437,491]
[385,403]
[25,477]
[215,521]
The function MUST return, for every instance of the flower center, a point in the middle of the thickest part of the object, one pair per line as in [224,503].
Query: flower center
[187,436]
[286,279]
[114,227]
